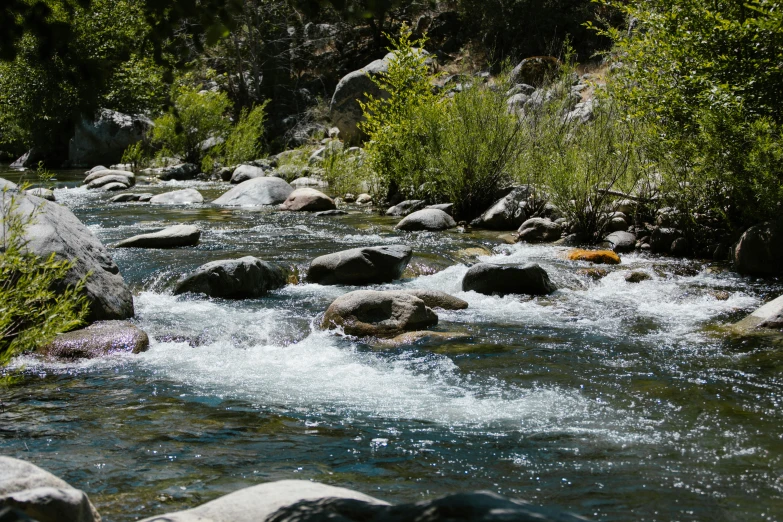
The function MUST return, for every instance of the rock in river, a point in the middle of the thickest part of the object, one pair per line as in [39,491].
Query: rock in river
[360,266]
[187,196]
[760,250]
[308,199]
[377,313]
[256,192]
[405,208]
[438,299]
[769,316]
[242,278]
[427,219]
[174,236]
[245,172]
[536,230]
[489,279]
[98,340]
[621,241]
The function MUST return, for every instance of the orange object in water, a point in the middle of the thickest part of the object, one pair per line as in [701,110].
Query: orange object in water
[600,257]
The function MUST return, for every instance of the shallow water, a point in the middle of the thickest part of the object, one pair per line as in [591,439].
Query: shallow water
[609,399]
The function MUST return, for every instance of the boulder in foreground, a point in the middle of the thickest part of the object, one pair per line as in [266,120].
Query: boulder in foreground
[242,278]
[378,313]
[98,340]
[491,279]
[360,266]
[171,237]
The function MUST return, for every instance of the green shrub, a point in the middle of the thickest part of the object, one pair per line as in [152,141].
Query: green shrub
[346,172]
[135,156]
[244,142]
[32,310]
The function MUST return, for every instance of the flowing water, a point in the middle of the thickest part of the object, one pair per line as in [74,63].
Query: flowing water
[616,401]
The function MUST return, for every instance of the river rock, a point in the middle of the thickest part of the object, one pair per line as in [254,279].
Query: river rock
[769,316]
[507,213]
[114,187]
[127,197]
[98,174]
[404,208]
[307,199]
[637,277]
[360,266]
[364,199]
[427,219]
[187,196]
[181,172]
[96,168]
[42,193]
[42,496]
[599,257]
[104,137]
[56,230]
[102,181]
[438,299]
[378,313]
[242,278]
[7,185]
[537,230]
[98,340]
[309,182]
[171,237]
[448,208]
[621,241]
[256,192]
[246,172]
[489,279]
[759,250]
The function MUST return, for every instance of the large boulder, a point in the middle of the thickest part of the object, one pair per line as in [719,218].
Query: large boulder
[256,192]
[187,196]
[98,340]
[181,172]
[406,207]
[426,219]
[360,266]
[55,229]
[491,279]
[242,278]
[308,199]
[507,213]
[103,138]
[42,496]
[537,230]
[760,250]
[344,109]
[376,313]
[246,172]
[171,237]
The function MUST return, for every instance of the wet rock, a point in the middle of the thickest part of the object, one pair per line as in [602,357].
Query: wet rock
[507,213]
[759,250]
[245,172]
[622,241]
[256,192]
[42,193]
[178,197]
[307,199]
[363,199]
[114,187]
[331,213]
[171,237]
[424,337]
[360,266]
[56,230]
[637,277]
[491,279]
[375,313]
[104,137]
[98,340]
[593,273]
[536,230]
[181,172]
[42,496]
[438,299]
[243,278]
[769,316]
[130,197]
[599,257]
[427,219]
[102,181]
[406,207]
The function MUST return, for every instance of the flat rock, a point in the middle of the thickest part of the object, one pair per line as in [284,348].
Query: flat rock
[98,340]
[403,209]
[309,182]
[438,299]
[491,279]
[171,237]
[242,278]
[105,180]
[378,313]
[622,241]
[360,266]
[537,230]
[131,197]
[307,199]
[187,196]
[331,213]
[256,192]
[426,219]
[245,172]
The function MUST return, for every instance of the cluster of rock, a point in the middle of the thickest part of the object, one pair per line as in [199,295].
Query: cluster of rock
[108,180]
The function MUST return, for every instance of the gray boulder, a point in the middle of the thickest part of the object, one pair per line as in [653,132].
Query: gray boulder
[438,299]
[103,138]
[382,314]
[363,199]
[98,340]
[426,219]
[621,241]
[360,266]
[537,230]
[101,182]
[56,230]
[256,192]
[98,174]
[114,187]
[507,213]
[171,237]
[448,208]
[7,185]
[42,193]
[127,197]
[182,172]
[769,316]
[759,250]
[403,209]
[96,168]
[307,199]
[42,496]
[242,278]
[178,197]
[246,172]
[344,109]
[309,182]
[491,279]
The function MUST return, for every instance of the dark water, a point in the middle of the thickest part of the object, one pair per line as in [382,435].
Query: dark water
[615,401]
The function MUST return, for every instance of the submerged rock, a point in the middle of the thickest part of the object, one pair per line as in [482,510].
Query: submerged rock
[360,266]
[769,316]
[171,237]
[307,199]
[427,219]
[760,250]
[406,207]
[242,278]
[256,192]
[637,277]
[187,196]
[42,496]
[491,279]
[378,313]
[98,340]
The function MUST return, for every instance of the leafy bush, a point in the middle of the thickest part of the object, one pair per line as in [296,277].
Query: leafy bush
[32,310]
[194,118]
[244,141]
[346,171]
